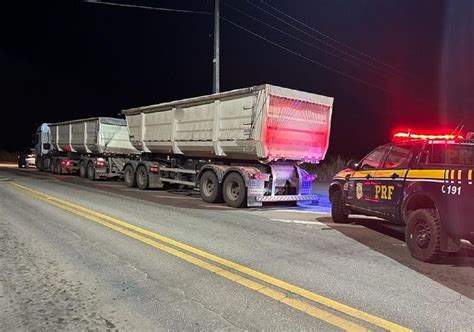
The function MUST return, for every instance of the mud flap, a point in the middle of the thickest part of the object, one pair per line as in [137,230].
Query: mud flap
[448,244]
[255,188]
[154,181]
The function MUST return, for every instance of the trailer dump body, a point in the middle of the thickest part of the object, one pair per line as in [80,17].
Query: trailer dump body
[96,148]
[242,146]
[99,135]
[263,123]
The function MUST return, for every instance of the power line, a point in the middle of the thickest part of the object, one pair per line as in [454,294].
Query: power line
[98,2]
[331,38]
[299,39]
[250,32]
[323,42]
[304,57]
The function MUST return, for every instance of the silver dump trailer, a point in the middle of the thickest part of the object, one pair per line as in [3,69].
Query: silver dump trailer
[94,147]
[242,146]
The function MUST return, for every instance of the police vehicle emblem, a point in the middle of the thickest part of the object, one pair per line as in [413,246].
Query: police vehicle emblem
[359,191]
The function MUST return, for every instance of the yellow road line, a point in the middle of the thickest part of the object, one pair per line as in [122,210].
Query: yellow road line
[124,228]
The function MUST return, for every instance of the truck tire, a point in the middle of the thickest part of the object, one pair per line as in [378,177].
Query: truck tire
[423,236]
[234,190]
[129,177]
[338,213]
[39,164]
[90,172]
[142,178]
[210,188]
[52,166]
[82,169]
[59,170]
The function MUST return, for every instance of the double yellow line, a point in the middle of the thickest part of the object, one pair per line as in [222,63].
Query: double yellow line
[230,270]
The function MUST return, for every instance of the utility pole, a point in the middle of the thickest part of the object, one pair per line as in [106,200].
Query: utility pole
[215,61]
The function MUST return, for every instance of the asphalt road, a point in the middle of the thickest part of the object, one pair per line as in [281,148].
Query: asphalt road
[78,255]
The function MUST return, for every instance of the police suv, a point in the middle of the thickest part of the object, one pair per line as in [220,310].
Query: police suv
[422,181]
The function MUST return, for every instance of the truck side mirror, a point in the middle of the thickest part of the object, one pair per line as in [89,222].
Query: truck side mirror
[353,164]
[46,146]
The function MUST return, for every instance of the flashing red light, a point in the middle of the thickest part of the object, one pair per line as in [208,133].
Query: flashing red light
[426,137]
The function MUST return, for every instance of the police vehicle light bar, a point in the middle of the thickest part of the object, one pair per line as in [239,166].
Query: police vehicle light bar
[427,137]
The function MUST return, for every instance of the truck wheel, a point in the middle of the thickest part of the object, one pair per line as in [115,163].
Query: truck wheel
[90,172]
[234,190]
[82,170]
[423,236]
[338,213]
[59,170]
[129,177]
[210,188]
[53,166]
[142,178]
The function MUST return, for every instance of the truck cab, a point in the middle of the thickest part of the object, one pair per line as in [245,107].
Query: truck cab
[424,182]
[42,144]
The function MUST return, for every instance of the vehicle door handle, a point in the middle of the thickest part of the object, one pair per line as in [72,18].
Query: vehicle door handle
[368,176]
[394,176]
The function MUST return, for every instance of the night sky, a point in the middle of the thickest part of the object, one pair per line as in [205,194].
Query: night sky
[63,60]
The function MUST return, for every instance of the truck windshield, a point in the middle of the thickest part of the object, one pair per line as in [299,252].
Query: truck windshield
[450,154]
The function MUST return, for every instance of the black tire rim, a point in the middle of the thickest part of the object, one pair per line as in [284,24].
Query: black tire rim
[421,234]
[233,190]
[208,187]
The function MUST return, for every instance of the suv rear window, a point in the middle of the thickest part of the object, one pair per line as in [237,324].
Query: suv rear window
[448,154]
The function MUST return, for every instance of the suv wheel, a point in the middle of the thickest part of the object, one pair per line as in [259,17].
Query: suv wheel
[423,236]
[338,213]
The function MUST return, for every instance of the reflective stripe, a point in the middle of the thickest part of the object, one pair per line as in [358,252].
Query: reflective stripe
[426,174]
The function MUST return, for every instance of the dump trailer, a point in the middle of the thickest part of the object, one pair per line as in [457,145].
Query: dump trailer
[95,148]
[242,146]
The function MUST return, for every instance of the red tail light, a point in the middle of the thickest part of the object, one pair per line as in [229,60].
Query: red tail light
[66,163]
[100,163]
[261,176]
[154,169]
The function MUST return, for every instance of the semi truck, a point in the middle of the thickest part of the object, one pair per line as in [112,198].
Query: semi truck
[95,148]
[244,146]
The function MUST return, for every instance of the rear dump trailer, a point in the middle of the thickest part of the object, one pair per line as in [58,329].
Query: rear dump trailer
[96,148]
[243,147]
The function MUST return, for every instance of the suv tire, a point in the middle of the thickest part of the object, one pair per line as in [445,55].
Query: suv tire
[338,213]
[423,236]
